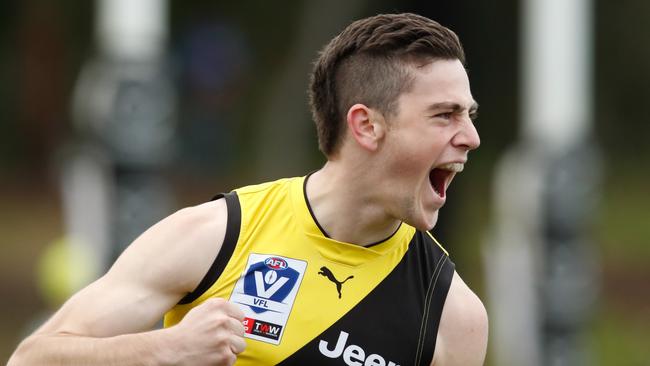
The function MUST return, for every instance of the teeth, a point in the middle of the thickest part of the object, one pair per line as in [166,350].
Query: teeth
[452,167]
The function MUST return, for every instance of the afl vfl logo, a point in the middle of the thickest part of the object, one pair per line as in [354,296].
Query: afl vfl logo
[269,282]
[266,292]
[276,263]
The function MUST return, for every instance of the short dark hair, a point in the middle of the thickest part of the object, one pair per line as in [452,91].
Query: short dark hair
[369,62]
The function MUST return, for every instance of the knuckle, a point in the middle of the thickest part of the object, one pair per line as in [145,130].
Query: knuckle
[221,319]
[239,314]
[239,329]
[215,302]
[236,311]
[220,324]
[220,342]
[227,357]
[241,344]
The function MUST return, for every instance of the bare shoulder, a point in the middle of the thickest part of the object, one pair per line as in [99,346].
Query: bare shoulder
[184,243]
[463,331]
[160,267]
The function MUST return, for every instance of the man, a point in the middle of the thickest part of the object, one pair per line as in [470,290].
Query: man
[330,269]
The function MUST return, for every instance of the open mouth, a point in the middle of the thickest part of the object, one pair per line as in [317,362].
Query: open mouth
[441,176]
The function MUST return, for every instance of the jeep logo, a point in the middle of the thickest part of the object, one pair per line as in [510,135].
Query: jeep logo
[353,355]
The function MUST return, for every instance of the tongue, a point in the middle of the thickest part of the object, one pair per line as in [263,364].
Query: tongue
[437,178]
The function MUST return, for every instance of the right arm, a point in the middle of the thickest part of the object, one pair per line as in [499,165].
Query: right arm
[109,322]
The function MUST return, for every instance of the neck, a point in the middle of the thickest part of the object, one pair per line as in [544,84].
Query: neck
[347,207]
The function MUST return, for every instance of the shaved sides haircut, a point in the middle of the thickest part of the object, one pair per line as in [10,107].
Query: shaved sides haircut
[371,62]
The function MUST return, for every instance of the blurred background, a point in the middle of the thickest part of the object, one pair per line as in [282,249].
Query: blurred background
[113,114]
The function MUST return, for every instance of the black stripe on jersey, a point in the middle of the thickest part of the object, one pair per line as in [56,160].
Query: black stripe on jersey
[398,320]
[304,193]
[229,242]
[435,301]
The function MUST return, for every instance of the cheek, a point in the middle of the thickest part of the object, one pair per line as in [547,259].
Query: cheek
[411,154]
[415,159]
[409,176]
[404,165]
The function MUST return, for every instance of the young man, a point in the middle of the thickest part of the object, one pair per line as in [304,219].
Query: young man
[336,268]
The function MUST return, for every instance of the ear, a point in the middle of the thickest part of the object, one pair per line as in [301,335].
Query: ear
[366,126]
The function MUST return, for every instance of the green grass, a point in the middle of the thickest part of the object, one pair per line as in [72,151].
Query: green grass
[620,338]
[623,223]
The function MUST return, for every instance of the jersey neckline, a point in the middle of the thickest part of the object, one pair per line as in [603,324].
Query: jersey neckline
[339,251]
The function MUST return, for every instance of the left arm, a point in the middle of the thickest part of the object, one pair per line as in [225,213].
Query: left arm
[463,331]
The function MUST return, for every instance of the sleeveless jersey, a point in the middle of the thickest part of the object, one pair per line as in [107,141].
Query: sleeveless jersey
[312,300]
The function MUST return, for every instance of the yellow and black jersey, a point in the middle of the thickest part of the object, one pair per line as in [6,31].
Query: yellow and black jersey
[312,300]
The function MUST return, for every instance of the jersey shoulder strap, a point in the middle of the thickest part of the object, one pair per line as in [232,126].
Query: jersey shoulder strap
[229,242]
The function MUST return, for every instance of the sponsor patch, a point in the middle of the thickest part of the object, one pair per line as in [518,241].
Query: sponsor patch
[266,290]
[262,328]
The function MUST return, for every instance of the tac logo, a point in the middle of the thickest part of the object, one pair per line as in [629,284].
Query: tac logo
[266,292]
[262,329]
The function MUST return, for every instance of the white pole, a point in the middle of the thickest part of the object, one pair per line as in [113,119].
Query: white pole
[132,29]
[557,68]
[131,37]
[556,119]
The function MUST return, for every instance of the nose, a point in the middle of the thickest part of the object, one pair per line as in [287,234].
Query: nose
[467,136]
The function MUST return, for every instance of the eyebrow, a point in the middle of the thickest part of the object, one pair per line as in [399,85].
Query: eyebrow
[455,107]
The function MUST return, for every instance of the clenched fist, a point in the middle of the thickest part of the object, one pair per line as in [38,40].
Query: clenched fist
[210,334]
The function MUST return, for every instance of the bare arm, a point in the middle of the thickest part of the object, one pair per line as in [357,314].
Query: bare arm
[463,332]
[109,322]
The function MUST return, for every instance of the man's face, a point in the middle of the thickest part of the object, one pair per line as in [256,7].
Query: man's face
[427,141]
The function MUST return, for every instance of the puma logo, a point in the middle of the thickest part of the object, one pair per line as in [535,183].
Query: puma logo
[324,271]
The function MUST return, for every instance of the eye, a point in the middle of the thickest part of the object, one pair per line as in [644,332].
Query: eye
[473,115]
[445,115]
